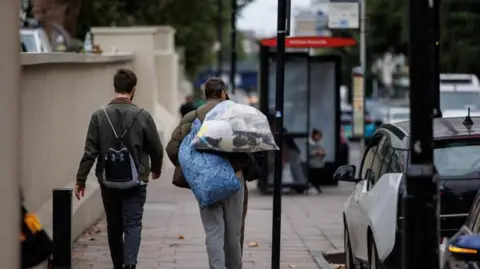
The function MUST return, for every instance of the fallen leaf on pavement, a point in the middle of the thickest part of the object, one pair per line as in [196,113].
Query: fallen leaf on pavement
[291,266]
[77,254]
[339,266]
[252,244]
[91,239]
[180,237]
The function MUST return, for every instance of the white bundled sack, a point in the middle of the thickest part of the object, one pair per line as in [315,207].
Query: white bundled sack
[232,127]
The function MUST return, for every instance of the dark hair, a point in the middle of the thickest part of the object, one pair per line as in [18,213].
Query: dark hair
[316,132]
[214,87]
[124,81]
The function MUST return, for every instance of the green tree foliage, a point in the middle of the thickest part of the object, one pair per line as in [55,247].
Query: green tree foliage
[195,22]
[386,26]
[459,38]
[460,41]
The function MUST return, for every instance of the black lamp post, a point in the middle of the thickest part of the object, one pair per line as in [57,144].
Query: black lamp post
[220,38]
[233,45]
[421,220]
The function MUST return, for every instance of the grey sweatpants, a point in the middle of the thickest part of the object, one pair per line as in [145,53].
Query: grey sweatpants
[223,225]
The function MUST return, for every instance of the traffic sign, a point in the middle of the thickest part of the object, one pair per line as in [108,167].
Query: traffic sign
[344,15]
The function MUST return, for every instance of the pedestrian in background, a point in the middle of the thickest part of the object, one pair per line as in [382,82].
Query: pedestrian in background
[187,106]
[124,141]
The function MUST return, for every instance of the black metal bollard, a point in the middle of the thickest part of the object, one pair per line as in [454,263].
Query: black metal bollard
[62,228]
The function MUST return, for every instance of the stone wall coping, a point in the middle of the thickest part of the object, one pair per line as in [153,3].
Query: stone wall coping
[139,30]
[72,58]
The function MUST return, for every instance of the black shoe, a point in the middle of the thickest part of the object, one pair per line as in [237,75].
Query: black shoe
[298,190]
[130,266]
[118,267]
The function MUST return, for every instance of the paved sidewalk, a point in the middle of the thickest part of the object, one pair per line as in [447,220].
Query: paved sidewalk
[173,236]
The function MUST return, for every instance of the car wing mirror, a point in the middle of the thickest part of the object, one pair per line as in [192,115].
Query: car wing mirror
[465,247]
[345,173]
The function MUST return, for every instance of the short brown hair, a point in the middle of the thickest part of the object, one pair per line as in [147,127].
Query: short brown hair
[124,81]
[214,87]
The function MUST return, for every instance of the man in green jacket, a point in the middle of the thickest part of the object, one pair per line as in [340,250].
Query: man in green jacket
[123,207]
[222,222]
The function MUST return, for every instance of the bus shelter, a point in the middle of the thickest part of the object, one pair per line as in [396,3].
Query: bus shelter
[312,101]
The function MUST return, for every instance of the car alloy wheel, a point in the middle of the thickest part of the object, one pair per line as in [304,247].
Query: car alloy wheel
[348,250]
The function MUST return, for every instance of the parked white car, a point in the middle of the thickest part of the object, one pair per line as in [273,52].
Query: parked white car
[459,92]
[35,40]
[373,213]
[397,114]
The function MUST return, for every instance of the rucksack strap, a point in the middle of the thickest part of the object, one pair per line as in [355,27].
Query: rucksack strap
[110,122]
[130,125]
[126,129]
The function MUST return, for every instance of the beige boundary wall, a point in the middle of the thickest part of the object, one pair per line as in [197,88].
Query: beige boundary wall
[47,102]
[58,93]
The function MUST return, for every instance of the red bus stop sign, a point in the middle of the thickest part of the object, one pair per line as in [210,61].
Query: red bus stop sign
[306,42]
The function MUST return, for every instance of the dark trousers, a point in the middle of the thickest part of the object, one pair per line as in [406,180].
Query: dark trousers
[315,176]
[124,212]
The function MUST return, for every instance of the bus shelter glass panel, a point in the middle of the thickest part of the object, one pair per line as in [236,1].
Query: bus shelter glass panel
[323,104]
[295,117]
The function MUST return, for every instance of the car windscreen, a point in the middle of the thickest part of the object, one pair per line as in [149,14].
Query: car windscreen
[457,157]
[378,112]
[459,100]
[28,41]
[456,81]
